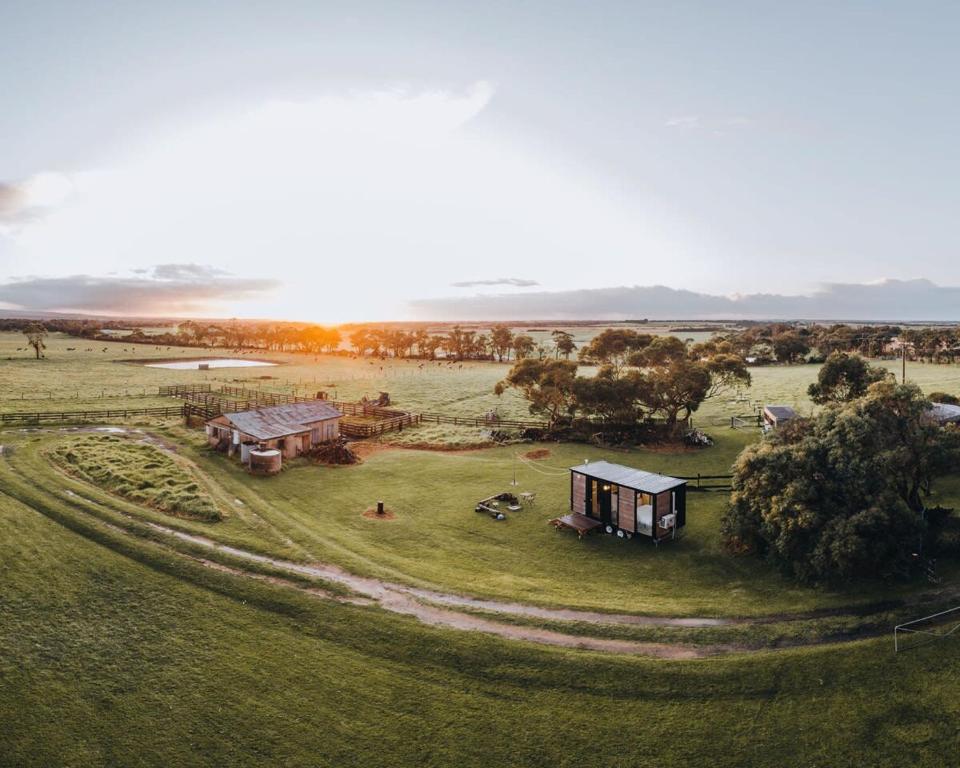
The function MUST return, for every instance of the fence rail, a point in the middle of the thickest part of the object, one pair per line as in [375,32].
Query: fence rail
[175,390]
[703,482]
[36,417]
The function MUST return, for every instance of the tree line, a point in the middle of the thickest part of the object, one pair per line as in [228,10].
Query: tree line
[813,343]
[498,343]
[637,377]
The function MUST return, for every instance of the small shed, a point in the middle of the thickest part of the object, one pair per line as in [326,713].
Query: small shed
[627,501]
[293,428]
[944,413]
[777,415]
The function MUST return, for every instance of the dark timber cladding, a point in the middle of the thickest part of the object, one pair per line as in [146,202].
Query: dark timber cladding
[629,501]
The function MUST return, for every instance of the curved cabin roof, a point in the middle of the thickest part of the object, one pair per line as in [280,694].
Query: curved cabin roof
[275,421]
[648,482]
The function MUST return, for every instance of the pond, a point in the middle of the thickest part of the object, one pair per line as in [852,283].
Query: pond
[213,362]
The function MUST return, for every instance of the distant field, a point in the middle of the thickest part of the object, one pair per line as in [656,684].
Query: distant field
[89,377]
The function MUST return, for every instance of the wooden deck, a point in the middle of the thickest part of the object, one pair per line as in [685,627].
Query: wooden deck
[576,522]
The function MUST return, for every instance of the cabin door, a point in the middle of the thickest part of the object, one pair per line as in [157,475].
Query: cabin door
[605,503]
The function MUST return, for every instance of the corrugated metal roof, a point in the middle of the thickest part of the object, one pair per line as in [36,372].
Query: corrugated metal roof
[275,421]
[780,412]
[944,412]
[649,482]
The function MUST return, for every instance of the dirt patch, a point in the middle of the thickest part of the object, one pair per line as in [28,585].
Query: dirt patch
[539,453]
[363,449]
[372,514]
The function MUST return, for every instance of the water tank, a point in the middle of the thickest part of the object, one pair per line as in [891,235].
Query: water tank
[245,449]
[265,462]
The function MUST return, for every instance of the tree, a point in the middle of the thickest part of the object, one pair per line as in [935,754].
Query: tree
[454,342]
[501,340]
[36,334]
[788,346]
[615,400]
[676,380]
[523,345]
[548,385]
[844,377]
[563,343]
[840,496]
[613,347]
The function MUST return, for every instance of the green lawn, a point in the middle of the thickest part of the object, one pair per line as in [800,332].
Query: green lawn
[313,512]
[109,661]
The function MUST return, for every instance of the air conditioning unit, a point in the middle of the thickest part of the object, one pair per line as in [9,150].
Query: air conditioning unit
[668,521]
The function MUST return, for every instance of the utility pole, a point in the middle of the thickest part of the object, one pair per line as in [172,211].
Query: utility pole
[903,362]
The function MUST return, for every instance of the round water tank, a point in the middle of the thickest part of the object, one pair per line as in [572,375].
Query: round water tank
[265,462]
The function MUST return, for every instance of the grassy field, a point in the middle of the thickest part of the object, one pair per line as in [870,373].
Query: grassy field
[113,659]
[125,646]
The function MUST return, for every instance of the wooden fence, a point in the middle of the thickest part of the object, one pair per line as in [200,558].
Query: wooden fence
[175,390]
[707,482]
[428,417]
[36,417]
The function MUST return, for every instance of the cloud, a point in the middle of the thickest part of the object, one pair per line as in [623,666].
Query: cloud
[683,121]
[517,282]
[30,199]
[391,182]
[886,300]
[167,289]
[716,126]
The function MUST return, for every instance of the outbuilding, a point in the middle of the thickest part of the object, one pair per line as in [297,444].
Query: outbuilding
[627,501]
[944,413]
[292,428]
[777,415]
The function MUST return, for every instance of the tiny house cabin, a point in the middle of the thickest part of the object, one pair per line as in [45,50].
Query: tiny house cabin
[628,501]
[291,429]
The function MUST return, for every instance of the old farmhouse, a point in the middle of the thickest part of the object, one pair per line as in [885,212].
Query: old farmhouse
[292,428]
[627,501]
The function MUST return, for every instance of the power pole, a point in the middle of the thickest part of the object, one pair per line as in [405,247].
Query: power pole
[903,362]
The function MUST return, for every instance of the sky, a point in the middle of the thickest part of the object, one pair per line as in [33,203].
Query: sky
[336,162]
